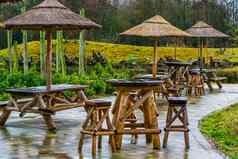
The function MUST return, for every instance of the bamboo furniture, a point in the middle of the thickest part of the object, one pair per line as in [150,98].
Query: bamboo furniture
[150,77]
[43,101]
[161,90]
[179,71]
[195,84]
[144,102]
[177,110]
[211,77]
[98,114]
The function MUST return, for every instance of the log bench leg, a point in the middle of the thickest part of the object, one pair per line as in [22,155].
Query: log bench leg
[5,115]
[49,122]
[219,84]
[209,85]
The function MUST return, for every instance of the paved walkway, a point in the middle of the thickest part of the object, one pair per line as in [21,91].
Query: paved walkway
[28,138]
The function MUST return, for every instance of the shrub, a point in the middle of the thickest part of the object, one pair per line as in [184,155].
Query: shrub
[230,73]
[95,78]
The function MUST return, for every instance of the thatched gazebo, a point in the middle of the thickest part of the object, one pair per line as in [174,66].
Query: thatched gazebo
[50,16]
[203,31]
[154,28]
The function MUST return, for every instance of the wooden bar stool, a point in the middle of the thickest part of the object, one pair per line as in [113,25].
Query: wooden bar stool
[98,113]
[177,110]
[195,84]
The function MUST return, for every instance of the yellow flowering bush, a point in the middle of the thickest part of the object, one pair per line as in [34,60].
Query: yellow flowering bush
[118,52]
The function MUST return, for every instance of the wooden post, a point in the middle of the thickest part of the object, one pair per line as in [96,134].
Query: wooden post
[154,68]
[201,54]
[175,49]
[206,49]
[49,122]
[49,59]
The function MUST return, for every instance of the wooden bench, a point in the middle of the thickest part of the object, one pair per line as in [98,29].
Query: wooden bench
[211,77]
[3,104]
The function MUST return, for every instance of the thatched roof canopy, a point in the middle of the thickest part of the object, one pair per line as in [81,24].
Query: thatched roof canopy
[203,30]
[155,27]
[50,14]
[9,1]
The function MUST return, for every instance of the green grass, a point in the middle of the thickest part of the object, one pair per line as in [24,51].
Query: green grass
[222,128]
[117,52]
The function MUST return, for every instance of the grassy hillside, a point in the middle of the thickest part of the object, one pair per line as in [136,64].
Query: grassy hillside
[116,52]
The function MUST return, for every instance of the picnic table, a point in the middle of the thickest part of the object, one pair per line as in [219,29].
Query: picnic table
[124,108]
[178,70]
[210,77]
[43,101]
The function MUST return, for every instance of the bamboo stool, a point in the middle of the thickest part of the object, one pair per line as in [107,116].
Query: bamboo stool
[98,113]
[196,84]
[177,110]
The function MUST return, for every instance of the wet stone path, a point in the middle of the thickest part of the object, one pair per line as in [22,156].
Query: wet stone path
[28,137]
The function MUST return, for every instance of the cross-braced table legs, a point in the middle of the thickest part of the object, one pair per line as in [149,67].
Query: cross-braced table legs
[121,111]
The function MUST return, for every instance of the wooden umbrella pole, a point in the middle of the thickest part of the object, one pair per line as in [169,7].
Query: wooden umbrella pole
[206,48]
[175,49]
[154,69]
[201,52]
[49,60]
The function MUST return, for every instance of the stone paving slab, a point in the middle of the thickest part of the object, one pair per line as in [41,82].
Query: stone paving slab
[28,137]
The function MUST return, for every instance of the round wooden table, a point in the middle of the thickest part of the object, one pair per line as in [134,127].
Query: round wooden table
[150,77]
[124,108]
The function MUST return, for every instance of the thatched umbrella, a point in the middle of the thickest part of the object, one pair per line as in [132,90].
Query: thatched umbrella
[49,16]
[154,28]
[203,31]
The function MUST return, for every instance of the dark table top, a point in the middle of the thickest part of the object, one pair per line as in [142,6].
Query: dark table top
[43,89]
[135,83]
[150,76]
[178,63]
[204,70]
